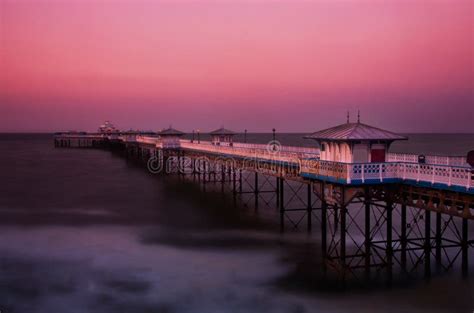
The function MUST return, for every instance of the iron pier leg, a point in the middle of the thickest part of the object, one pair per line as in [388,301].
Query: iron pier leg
[403,237]
[240,181]
[323,229]
[464,247]
[204,176]
[343,240]
[197,171]
[389,242]
[256,190]
[278,192]
[180,166]
[183,165]
[222,178]
[427,244]
[234,185]
[438,239]
[343,234]
[309,211]
[367,232]
[282,206]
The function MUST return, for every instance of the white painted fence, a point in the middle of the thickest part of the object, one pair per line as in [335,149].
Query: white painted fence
[241,152]
[429,159]
[391,171]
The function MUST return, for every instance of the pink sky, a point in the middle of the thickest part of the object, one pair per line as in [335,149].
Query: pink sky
[292,65]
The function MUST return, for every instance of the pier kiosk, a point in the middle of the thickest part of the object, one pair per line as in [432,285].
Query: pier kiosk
[354,143]
[222,137]
[170,138]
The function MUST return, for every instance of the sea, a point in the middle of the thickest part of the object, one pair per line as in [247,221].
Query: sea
[83,230]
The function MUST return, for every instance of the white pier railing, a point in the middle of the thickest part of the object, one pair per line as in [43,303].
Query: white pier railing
[241,152]
[429,159]
[302,152]
[427,174]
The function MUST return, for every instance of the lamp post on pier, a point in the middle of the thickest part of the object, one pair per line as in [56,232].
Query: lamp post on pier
[274,144]
[245,136]
[192,140]
[199,136]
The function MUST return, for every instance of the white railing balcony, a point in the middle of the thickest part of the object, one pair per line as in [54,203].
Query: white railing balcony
[249,152]
[454,177]
[429,159]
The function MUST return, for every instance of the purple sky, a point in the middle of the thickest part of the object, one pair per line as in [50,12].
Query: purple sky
[292,65]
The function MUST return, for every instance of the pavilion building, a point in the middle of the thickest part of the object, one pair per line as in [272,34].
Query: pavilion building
[354,143]
[222,136]
[170,138]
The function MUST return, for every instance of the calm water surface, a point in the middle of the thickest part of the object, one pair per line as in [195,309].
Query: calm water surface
[85,231]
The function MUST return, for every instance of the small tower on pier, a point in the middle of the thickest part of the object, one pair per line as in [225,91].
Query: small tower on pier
[222,136]
[354,143]
[170,138]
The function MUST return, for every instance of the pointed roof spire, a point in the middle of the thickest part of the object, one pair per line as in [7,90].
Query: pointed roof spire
[347,116]
[358,116]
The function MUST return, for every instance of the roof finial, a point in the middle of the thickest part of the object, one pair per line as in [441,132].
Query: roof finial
[358,116]
[347,116]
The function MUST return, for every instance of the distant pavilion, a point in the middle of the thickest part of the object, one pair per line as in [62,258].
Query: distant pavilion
[222,136]
[170,137]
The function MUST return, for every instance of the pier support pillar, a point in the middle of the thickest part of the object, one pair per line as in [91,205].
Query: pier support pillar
[464,247]
[234,184]
[309,208]
[403,238]
[204,175]
[343,211]
[427,245]
[277,192]
[282,205]
[240,181]
[367,231]
[195,170]
[438,239]
[342,252]
[323,228]
[256,191]
[389,252]
[222,177]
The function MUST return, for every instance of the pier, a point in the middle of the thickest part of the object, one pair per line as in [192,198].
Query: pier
[376,211]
